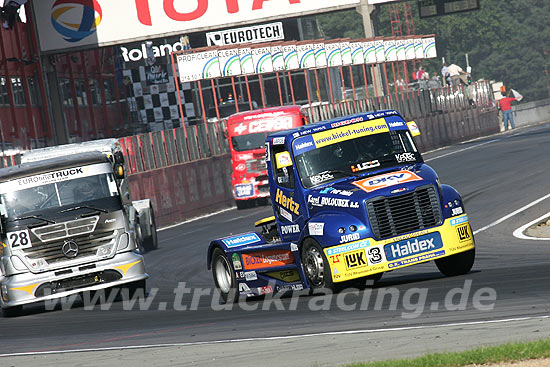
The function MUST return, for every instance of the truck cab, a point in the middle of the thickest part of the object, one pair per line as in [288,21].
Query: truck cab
[65,229]
[352,198]
[247,132]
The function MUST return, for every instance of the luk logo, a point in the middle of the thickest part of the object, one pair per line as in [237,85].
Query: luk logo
[355,259]
[463,233]
[76,19]
[386,180]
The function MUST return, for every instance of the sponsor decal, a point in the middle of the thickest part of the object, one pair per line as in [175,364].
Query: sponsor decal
[457,211]
[317,179]
[413,246]
[250,275]
[397,191]
[290,287]
[260,126]
[365,165]
[293,228]
[65,18]
[267,152]
[285,214]
[316,229]
[386,180]
[413,128]
[416,259]
[463,232]
[239,275]
[236,262]
[396,124]
[349,237]
[240,129]
[110,220]
[355,259]
[345,248]
[253,34]
[55,176]
[347,122]
[293,247]
[286,202]
[240,167]
[244,190]
[459,220]
[243,287]
[285,275]
[279,141]
[267,259]
[241,240]
[321,201]
[344,133]
[405,157]
[283,160]
[333,191]
[303,145]
[265,290]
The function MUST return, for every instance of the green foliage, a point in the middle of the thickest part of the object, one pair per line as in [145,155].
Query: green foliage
[505,40]
[484,355]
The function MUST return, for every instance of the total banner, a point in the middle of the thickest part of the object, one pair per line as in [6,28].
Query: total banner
[69,24]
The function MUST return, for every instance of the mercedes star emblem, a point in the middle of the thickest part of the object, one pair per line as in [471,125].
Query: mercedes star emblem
[70,249]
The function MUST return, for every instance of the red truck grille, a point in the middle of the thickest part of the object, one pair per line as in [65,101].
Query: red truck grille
[256,165]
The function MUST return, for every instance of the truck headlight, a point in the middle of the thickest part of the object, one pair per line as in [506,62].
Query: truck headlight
[5,293]
[123,242]
[18,263]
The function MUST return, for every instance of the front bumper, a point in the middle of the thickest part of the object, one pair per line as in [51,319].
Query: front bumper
[369,256]
[28,288]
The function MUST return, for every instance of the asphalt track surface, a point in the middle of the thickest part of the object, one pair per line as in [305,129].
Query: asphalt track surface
[500,177]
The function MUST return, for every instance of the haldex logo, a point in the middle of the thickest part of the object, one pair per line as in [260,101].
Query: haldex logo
[76,19]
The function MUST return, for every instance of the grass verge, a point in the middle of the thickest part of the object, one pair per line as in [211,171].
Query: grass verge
[502,353]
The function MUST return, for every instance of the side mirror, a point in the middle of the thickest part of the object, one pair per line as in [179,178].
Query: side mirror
[119,157]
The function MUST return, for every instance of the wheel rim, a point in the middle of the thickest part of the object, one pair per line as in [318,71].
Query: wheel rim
[223,274]
[314,266]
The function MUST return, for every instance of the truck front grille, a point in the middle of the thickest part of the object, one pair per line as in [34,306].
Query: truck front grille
[256,165]
[63,230]
[87,246]
[397,215]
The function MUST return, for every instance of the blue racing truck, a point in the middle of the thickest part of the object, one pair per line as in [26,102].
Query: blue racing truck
[352,198]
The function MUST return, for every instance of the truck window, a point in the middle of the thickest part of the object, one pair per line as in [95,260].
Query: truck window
[355,156]
[246,142]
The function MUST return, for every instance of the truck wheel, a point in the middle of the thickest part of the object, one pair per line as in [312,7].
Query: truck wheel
[12,311]
[458,264]
[137,288]
[224,277]
[151,242]
[242,204]
[316,267]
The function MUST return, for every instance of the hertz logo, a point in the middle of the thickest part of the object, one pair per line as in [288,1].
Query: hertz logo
[287,202]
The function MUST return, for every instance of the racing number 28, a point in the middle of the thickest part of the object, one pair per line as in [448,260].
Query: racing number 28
[19,239]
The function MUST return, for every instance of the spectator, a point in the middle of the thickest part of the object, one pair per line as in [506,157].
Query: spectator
[505,105]
[434,81]
[422,78]
[10,11]
[456,74]
[445,74]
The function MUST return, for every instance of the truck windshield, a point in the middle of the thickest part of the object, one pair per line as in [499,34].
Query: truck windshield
[70,192]
[355,156]
[246,142]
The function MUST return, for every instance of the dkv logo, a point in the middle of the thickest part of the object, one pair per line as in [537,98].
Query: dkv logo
[386,180]
[76,19]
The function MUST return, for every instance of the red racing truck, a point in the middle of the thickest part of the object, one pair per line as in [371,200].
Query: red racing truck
[247,132]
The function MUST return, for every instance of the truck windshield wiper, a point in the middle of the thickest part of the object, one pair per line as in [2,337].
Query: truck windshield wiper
[34,217]
[83,207]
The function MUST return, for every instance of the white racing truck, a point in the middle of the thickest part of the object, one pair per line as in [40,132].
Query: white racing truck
[68,225]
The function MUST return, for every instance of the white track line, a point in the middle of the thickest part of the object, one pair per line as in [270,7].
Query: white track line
[196,218]
[518,233]
[512,214]
[461,150]
[330,333]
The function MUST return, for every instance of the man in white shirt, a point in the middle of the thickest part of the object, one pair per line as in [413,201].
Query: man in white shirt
[457,74]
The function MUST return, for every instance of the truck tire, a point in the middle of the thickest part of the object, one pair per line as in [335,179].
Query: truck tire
[316,267]
[224,277]
[242,204]
[150,243]
[12,311]
[458,264]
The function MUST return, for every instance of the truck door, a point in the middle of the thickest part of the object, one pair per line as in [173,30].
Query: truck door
[288,205]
